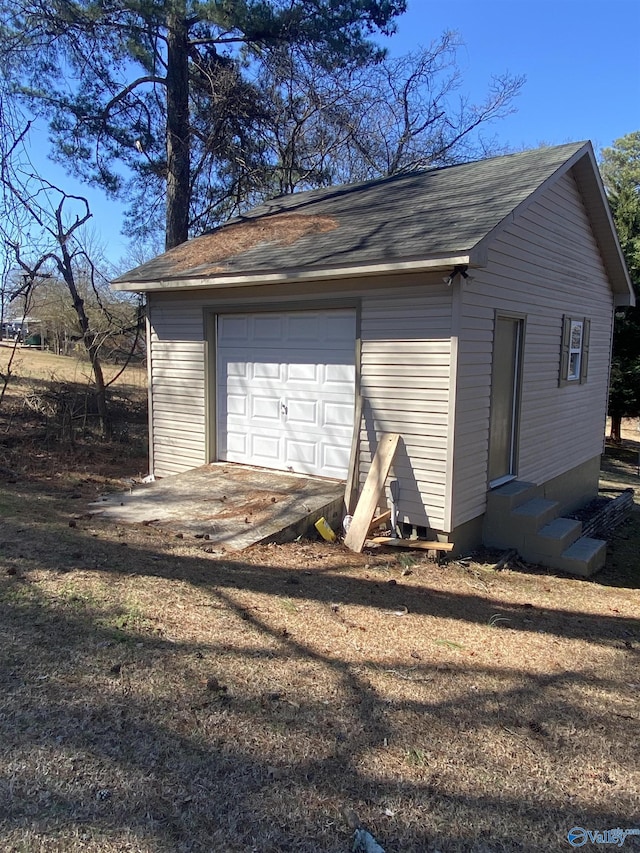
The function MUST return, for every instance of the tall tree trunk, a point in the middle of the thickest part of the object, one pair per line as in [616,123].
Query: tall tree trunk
[178,165]
[616,427]
[88,339]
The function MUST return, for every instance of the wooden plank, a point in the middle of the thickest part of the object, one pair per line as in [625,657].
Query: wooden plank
[418,544]
[370,495]
[380,520]
[352,475]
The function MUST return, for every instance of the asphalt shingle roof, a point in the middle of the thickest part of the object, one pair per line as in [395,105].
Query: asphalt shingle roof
[419,215]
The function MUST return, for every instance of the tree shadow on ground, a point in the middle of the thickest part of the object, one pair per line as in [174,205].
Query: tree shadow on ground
[325,585]
[115,735]
[89,749]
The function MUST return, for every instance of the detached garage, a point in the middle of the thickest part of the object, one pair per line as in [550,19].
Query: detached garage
[469,309]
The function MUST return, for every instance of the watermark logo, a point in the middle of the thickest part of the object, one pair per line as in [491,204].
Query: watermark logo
[578,836]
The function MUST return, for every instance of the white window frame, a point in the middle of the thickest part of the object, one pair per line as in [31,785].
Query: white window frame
[576,332]
[574,356]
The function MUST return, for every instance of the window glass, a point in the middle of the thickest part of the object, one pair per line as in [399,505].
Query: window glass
[575,349]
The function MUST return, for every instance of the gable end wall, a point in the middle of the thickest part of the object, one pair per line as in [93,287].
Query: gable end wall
[542,266]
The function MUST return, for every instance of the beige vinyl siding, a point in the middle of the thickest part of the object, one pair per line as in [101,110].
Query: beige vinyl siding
[543,265]
[405,366]
[177,371]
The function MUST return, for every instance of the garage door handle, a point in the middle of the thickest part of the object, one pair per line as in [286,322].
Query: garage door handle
[284,408]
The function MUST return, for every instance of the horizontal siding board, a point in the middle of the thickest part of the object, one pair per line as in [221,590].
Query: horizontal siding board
[378,397]
[191,449]
[169,348]
[184,363]
[189,429]
[190,457]
[439,371]
[405,363]
[187,402]
[436,351]
[174,375]
[420,447]
[402,386]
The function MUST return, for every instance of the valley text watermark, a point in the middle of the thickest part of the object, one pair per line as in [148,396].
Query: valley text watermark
[578,836]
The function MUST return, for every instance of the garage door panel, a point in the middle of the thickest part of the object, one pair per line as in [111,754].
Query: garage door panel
[266,370]
[267,328]
[234,327]
[265,448]
[340,329]
[286,382]
[237,405]
[307,327]
[236,370]
[298,372]
[302,412]
[338,415]
[265,408]
[301,455]
[337,376]
[236,443]
[334,460]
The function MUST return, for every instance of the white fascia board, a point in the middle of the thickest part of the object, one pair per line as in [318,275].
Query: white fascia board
[294,276]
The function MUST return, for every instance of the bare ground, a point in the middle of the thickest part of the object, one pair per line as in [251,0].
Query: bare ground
[158,698]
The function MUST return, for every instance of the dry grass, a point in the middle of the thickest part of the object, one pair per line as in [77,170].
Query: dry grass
[41,366]
[157,698]
[49,406]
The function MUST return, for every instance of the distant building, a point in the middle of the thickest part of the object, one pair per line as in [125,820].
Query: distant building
[19,330]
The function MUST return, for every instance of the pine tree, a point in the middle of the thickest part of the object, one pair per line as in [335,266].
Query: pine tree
[620,167]
[130,83]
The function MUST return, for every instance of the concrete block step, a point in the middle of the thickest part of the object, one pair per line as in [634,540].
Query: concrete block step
[551,541]
[563,531]
[506,498]
[534,514]
[584,558]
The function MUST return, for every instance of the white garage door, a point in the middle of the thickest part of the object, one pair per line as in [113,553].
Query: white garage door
[286,385]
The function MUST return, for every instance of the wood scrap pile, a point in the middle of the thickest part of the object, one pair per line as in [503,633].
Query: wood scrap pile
[364,519]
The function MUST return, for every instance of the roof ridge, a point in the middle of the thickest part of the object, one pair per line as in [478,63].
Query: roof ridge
[285,201]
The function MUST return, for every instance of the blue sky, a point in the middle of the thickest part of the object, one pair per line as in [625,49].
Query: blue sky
[580,58]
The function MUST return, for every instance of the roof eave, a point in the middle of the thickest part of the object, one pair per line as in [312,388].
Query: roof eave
[590,182]
[294,276]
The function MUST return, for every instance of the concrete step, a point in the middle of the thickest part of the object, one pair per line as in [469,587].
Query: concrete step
[534,514]
[499,528]
[506,498]
[512,529]
[585,557]
[517,516]
[550,542]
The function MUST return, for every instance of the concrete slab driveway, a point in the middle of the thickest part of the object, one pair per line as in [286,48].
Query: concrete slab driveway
[232,505]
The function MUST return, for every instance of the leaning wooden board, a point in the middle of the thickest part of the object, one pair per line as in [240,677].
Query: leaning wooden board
[370,497]
[379,520]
